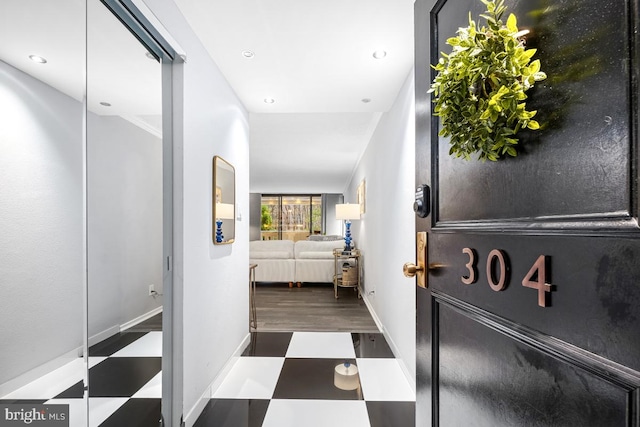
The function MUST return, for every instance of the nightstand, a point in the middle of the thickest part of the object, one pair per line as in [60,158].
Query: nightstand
[346,270]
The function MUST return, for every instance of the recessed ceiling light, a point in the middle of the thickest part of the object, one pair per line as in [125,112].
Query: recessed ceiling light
[106,104]
[366,100]
[248,54]
[38,59]
[269,100]
[379,54]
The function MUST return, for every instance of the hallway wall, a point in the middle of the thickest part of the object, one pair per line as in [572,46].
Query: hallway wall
[386,234]
[124,181]
[213,278]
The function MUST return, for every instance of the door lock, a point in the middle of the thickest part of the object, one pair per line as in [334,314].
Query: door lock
[421,204]
[420,270]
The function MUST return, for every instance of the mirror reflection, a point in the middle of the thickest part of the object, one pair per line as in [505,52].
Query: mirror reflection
[224,201]
[42,57]
[124,218]
[79,228]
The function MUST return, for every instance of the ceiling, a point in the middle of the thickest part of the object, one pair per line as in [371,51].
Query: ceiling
[315,60]
[117,70]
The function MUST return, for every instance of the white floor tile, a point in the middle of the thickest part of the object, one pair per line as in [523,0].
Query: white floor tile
[325,345]
[53,383]
[251,378]
[100,408]
[152,389]
[317,413]
[149,345]
[77,410]
[383,380]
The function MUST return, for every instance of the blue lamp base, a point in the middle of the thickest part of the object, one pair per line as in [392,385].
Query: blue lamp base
[347,236]
[219,236]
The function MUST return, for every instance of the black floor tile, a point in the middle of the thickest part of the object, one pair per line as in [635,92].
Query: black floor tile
[268,344]
[233,413]
[114,343]
[372,345]
[312,379]
[122,376]
[392,414]
[76,391]
[136,413]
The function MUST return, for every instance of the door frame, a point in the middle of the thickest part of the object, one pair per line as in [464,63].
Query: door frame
[143,24]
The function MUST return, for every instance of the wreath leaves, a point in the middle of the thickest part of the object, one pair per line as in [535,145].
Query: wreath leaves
[480,86]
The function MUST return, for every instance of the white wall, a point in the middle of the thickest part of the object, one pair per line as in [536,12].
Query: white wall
[386,232]
[214,277]
[41,226]
[124,179]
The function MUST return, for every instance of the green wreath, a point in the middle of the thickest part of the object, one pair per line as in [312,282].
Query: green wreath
[480,87]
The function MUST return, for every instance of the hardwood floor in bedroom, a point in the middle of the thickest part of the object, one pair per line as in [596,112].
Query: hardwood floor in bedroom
[312,307]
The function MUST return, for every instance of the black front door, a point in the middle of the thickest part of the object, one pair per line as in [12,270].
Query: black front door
[534,318]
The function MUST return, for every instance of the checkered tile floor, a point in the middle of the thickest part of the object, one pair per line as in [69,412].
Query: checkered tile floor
[288,380]
[282,379]
[124,383]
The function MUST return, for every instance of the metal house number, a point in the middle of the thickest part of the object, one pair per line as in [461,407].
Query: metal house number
[497,267]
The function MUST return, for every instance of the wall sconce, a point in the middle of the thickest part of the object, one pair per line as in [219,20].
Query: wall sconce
[347,212]
[223,211]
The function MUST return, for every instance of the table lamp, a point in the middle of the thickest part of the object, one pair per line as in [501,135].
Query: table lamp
[347,212]
[223,211]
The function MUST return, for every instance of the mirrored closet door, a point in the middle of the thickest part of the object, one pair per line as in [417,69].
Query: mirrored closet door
[42,204]
[124,223]
[83,236]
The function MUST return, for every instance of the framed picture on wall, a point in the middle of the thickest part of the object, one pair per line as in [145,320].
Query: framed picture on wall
[361,193]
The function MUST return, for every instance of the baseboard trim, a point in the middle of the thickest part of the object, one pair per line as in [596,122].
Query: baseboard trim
[196,410]
[373,313]
[403,366]
[38,372]
[140,319]
[113,330]
[101,336]
[392,344]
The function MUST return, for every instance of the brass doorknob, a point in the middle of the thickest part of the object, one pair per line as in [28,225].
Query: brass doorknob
[410,269]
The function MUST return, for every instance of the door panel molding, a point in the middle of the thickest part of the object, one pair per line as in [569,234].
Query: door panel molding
[475,194]
[613,224]
[600,367]
[507,376]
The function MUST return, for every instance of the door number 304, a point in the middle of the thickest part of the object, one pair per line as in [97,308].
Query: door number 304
[498,278]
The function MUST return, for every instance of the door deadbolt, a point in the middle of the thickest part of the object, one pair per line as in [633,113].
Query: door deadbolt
[421,204]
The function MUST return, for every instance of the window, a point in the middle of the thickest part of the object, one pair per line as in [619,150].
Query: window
[290,217]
